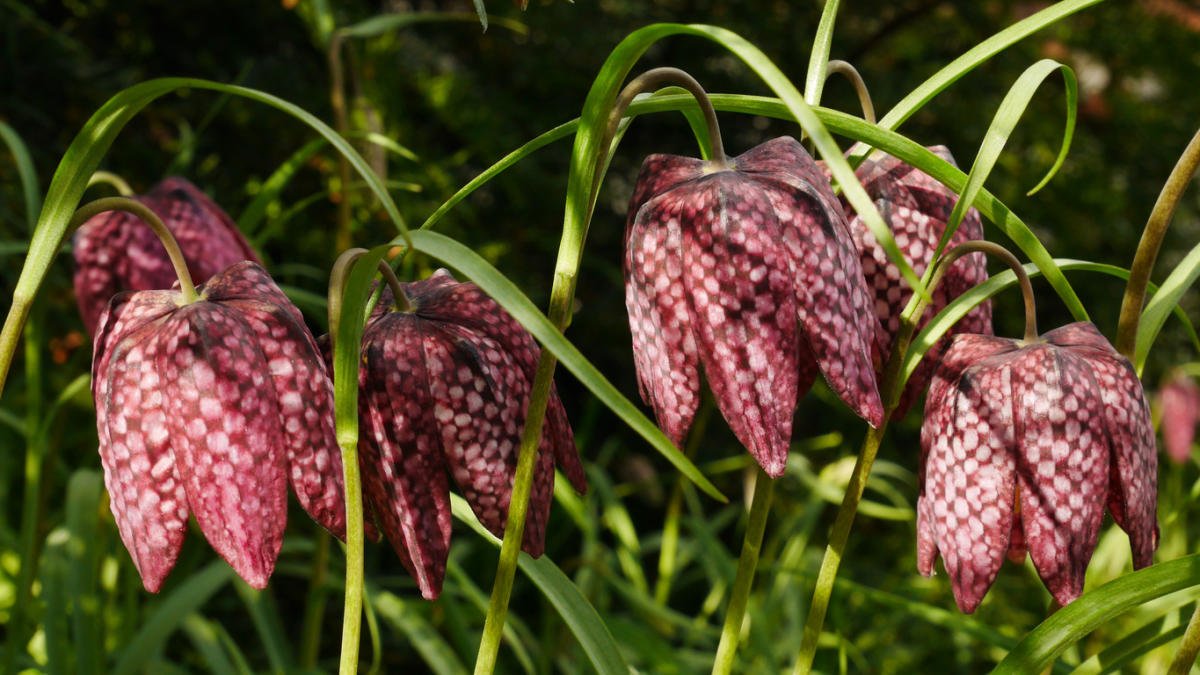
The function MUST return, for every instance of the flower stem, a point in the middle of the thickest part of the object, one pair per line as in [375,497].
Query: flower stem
[814,82]
[341,124]
[314,609]
[112,179]
[401,301]
[760,506]
[1189,646]
[1147,250]
[998,251]
[140,210]
[514,530]
[851,73]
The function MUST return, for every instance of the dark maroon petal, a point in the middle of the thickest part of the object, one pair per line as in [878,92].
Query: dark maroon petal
[736,276]
[302,387]
[224,424]
[969,483]
[1062,464]
[202,227]
[659,174]
[148,500]
[402,460]
[831,296]
[1180,401]
[660,319]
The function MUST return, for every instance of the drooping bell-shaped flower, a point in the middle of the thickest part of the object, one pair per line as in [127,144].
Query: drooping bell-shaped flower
[444,386]
[1179,400]
[747,268]
[114,252]
[917,208]
[209,408]
[1024,444]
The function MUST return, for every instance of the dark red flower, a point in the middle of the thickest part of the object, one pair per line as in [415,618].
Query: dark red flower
[115,252]
[722,265]
[1180,402]
[916,208]
[444,388]
[1024,444]
[208,408]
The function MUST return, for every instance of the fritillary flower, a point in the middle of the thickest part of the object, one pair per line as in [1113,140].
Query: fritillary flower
[1180,402]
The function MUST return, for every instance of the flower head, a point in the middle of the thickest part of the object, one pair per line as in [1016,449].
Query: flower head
[209,408]
[750,271]
[443,389]
[1024,445]
[916,208]
[1179,400]
[114,252]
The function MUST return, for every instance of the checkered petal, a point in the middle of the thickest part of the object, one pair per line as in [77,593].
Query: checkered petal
[736,277]
[224,424]
[404,476]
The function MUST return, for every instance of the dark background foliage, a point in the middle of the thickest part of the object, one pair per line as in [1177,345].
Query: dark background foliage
[460,99]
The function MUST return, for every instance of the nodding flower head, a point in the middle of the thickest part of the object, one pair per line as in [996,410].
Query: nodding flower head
[1179,402]
[444,387]
[209,408]
[1024,444]
[749,270]
[917,208]
[114,252]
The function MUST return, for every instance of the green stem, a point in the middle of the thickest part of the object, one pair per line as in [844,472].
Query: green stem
[669,550]
[891,386]
[760,506]
[518,506]
[814,82]
[1189,646]
[112,179]
[341,124]
[314,610]
[87,211]
[1147,250]
[845,69]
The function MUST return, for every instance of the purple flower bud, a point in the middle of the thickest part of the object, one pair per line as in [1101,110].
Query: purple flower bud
[1024,444]
[916,208]
[751,272]
[444,388]
[208,408]
[1180,401]
[115,252]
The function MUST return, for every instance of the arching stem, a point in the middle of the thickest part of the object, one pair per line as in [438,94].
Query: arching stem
[109,178]
[997,251]
[848,71]
[401,302]
[87,211]
[1147,250]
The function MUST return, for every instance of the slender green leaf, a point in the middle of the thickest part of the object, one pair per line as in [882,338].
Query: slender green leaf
[577,613]
[139,653]
[83,157]
[403,618]
[1149,637]
[85,491]
[1167,297]
[267,623]
[524,311]
[1043,644]
[207,642]
[25,170]
[256,210]
[818,62]
[378,25]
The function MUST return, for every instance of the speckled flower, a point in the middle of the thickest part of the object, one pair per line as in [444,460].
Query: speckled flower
[1179,400]
[916,207]
[1024,444]
[114,252]
[443,389]
[209,408]
[749,270]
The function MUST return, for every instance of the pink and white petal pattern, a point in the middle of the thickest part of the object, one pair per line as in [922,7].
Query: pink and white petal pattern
[1180,402]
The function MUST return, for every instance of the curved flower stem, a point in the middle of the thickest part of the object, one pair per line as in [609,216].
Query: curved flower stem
[843,68]
[140,210]
[1189,647]
[891,387]
[110,178]
[760,506]
[402,303]
[1147,250]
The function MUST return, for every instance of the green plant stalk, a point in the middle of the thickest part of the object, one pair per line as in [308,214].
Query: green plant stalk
[314,609]
[341,124]
[891,388]
[814,82]
[1147,251]
[760,506]
[514,529]
[1189,647]
[352,616]
[669,550]
[113,180]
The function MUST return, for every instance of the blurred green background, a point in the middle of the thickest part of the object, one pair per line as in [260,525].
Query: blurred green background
[459,99]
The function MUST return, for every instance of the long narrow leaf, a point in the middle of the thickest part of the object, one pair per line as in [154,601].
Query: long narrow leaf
[25,170]
[1167,297]
[433,649]
[495,284]
[577,613]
